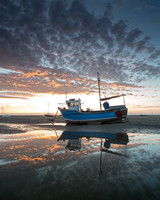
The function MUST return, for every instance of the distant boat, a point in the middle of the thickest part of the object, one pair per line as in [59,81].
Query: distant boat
[3,112]
[48,114]
[110,114]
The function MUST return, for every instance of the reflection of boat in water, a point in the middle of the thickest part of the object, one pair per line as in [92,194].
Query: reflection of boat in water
[74,113]
[74,138]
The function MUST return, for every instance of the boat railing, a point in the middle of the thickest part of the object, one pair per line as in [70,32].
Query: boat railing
[61,105]
[117,107]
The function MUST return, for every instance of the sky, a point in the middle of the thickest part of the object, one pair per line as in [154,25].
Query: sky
[51,50]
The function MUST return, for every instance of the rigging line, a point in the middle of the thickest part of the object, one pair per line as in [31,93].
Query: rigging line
[56,134]
[104,81]
[54,117]
[107,86]
[84,99]
[103,76]
[104,92]
[90,158]
[125,148]
[104,160]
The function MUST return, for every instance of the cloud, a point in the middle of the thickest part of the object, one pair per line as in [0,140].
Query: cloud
[16,94]
[119,30]
[150,71]
[155,54]
[49,41]
[12,97]
[141,45]
[43,80]
[132,36]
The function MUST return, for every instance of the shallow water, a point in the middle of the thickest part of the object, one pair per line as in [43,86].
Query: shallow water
[34,165]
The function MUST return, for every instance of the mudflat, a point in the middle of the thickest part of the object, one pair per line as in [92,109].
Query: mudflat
[133,124]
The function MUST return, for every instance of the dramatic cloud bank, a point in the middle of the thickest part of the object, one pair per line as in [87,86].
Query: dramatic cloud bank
[51,45]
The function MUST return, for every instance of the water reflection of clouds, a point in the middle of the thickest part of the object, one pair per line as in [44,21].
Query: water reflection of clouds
[35,148]
[150,143]
[42,147]
[5,162]
[28,136]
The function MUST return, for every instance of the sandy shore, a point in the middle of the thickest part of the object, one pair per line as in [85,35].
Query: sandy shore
[133,124]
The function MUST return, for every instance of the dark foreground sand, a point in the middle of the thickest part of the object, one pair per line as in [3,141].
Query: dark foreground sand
[133,124]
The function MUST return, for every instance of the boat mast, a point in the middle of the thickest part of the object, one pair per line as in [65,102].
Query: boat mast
[48,108]
[99,89]
[3,113]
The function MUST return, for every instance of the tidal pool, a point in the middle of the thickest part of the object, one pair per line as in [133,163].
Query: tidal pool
[78,164]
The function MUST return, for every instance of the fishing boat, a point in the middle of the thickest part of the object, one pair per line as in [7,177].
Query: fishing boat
[74,113]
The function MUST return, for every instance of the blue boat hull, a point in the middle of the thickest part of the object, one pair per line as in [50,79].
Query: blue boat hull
[91,116]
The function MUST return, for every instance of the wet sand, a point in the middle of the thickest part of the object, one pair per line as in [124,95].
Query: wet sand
[133,124]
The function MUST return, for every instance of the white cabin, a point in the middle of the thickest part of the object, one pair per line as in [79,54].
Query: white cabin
[74,105]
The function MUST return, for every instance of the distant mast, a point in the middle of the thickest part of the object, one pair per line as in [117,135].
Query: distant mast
[3,112]
[99,89]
